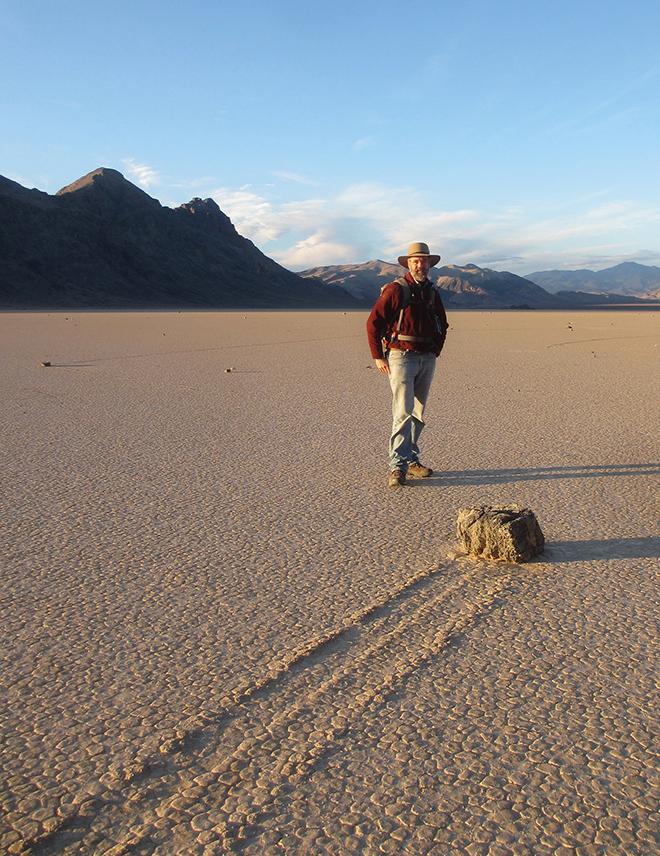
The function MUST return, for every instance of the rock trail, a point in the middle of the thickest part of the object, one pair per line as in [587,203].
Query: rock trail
[217,782]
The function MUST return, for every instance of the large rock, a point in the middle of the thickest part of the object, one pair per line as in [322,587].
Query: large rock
[509,533]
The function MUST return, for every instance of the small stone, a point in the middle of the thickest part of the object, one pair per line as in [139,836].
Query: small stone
[228,370]
[509,533]
[45,363]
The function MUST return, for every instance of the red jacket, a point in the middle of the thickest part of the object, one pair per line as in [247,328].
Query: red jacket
[419,319]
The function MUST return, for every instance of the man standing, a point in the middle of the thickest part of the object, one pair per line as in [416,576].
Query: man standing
[410,321]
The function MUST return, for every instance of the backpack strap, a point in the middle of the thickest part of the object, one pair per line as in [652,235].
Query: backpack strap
[406,294]
[428,296]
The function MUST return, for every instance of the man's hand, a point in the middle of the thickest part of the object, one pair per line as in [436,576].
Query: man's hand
[382,366]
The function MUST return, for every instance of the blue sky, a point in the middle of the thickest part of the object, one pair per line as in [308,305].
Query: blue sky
[514,135]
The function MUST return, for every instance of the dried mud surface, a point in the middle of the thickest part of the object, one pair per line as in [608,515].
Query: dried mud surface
[223,633]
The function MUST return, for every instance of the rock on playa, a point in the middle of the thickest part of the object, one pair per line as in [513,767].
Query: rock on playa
[509,533]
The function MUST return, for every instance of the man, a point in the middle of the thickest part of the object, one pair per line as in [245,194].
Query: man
[410,320]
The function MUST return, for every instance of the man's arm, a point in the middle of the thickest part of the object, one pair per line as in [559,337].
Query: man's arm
[378,323]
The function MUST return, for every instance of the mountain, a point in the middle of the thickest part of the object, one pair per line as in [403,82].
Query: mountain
[627,278]
[362,281]
[472,286]
[466,287]
[103,242]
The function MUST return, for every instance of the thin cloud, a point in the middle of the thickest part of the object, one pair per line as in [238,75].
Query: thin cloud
[264,221]
[296,177]
[602,114]
[566,204]
[251,213]
[318,249]
[635,83]
[194,183]
[146,176]
[369,220]
[588,258]
[362,143]
[610,218]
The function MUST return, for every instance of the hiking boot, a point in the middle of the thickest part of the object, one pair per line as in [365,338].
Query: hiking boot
[397,478]
[419,471]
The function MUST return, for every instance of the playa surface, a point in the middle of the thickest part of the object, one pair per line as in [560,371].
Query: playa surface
[223,633]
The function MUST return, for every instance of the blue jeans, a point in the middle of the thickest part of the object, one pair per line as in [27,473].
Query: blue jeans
[410,380]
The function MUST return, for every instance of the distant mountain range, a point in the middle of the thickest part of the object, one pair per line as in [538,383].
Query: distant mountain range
[103,242]
[467,287]
[628,278]
[472,286]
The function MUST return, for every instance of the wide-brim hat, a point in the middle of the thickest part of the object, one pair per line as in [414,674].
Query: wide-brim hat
[418,249]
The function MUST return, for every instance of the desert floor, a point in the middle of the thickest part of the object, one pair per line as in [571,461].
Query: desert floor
[222,632]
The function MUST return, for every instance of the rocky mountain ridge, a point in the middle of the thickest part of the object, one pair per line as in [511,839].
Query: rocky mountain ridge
[461,287]
[627,278]
[103,242]
[471,286]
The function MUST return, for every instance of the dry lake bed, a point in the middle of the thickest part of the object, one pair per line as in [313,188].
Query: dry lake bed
[221,631]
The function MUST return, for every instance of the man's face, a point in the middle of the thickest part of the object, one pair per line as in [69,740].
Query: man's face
[418,267]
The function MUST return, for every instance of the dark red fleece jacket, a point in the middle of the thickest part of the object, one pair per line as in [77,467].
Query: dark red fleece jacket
[418,320]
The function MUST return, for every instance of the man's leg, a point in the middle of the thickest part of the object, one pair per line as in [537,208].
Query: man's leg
[403,367]
[422,387]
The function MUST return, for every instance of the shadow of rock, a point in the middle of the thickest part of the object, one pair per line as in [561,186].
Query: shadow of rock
[514,474]
[557,552]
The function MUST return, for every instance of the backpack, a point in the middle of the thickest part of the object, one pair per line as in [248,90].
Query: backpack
[428,296]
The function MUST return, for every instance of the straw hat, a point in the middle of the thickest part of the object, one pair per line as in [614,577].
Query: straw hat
[418,249]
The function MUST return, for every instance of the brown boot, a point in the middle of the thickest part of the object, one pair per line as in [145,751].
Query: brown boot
[419,471]
[397,478]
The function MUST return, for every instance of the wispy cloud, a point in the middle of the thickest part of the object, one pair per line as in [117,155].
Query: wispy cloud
[610,218]
[317,249]
[594,257]
[597,237]
[262,220]
[194,183]
[296,177]
[146,176]
[368,220]
[363,143]
[609,110]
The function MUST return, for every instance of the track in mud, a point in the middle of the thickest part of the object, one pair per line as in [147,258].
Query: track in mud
[229,782]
